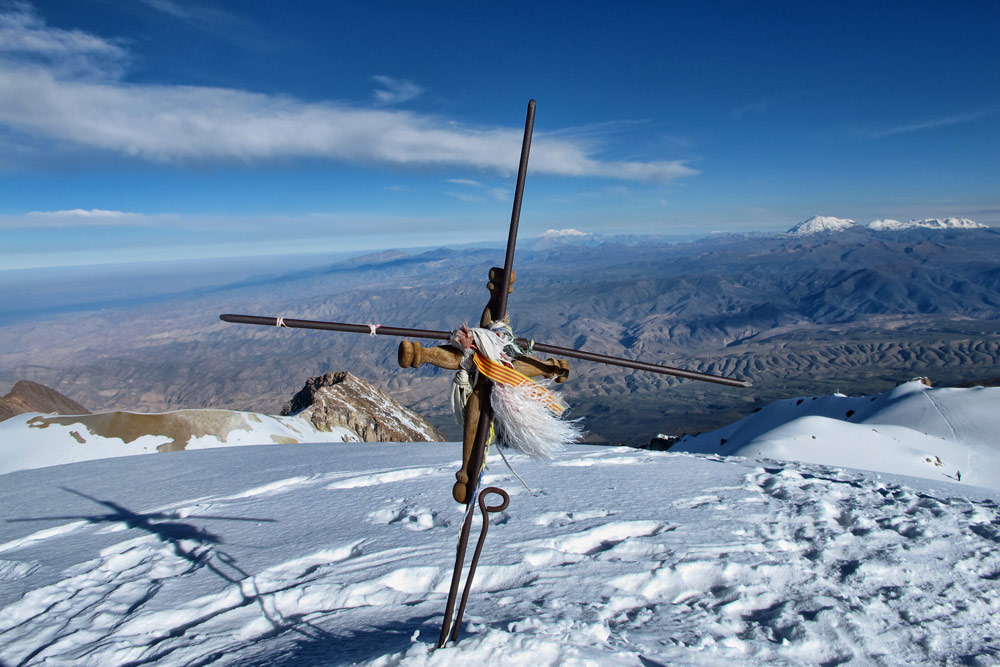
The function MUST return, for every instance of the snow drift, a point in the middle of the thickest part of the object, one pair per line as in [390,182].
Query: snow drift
[912,430]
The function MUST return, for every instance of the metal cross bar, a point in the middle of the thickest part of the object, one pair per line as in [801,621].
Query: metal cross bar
[446,335]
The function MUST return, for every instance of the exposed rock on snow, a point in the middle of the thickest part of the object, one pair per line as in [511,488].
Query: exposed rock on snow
[28,396]
[946,433]
[927,223]
[821,223]
[35,441]
[336,407]
[341,400]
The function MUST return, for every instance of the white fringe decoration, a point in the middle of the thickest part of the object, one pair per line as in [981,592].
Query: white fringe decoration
[461,389]
[523,420]
[526,425]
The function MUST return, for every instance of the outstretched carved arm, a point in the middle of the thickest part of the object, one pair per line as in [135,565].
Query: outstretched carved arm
[412,354]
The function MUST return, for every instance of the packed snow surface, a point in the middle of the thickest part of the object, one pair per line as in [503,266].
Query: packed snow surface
[912,430]
[342,553]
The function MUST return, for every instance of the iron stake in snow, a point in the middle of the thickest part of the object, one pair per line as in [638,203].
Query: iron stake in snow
[502,392]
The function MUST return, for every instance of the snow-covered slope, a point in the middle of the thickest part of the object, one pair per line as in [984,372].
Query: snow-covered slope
[339,554]
[928,223]
[32,440]
[821,223]
[911,430]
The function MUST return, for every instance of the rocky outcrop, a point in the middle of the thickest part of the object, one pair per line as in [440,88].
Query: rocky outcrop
[27,396]
[343,400]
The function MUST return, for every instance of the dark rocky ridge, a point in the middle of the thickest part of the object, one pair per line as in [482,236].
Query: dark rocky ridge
[341,399]
[28,396]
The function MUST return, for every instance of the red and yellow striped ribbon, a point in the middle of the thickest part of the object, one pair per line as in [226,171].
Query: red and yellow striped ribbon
[507,375]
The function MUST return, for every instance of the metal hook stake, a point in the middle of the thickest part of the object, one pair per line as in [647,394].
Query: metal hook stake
[463,543]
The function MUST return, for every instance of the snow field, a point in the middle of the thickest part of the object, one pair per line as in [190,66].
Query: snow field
[310,555]
[940,434]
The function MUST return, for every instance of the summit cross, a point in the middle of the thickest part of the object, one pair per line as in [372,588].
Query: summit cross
[478,410]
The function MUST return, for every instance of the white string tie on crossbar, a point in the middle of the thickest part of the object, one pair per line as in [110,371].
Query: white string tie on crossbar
[280,322]
[372,328]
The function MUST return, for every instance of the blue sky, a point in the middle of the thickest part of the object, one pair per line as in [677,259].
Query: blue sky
[162,129]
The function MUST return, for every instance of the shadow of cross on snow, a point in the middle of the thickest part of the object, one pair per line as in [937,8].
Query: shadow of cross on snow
[160,524]
[165,527]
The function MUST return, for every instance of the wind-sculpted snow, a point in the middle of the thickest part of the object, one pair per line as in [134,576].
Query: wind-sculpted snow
[913,430]
[316,555]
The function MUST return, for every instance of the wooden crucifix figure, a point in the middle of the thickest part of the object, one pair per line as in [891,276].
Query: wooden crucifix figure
[412,354]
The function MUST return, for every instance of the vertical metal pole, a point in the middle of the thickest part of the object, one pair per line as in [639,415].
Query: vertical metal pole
[475,464]
[515,217]
[477,455]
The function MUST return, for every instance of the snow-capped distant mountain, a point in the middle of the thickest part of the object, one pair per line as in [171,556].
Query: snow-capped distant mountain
[562,238]
[927,223]
[912,430]
[821,223]
[563,233]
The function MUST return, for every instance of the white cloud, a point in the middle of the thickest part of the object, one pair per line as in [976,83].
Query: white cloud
[465,196]
[945,121]
[196,14]
[25,37]
[218,22]
[755,108]
[194,124]
[394,91]
[83,217]
[499,194]
[81,213]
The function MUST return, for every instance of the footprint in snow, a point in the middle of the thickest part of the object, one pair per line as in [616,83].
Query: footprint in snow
[412,518]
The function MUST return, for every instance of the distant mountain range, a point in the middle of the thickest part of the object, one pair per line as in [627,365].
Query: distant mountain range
[849,307]
[819,224]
